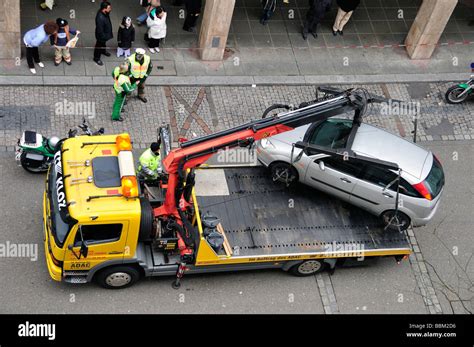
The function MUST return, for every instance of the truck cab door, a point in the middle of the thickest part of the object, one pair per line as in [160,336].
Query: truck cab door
[104,242]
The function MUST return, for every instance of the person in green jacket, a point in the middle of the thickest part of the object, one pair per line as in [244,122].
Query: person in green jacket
[150,163]
[122,87]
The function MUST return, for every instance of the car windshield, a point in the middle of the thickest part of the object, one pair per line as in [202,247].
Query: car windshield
[332,133]
[61,224]
[435,179]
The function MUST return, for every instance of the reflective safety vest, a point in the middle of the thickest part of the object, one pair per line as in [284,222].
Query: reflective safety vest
[119,83]
[138,70]
[149,163]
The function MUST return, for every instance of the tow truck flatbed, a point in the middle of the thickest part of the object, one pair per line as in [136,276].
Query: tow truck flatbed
[261,218]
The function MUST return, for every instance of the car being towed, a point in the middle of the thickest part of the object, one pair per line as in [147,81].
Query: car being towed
[365,185]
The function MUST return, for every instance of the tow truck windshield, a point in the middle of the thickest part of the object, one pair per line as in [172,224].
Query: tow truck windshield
[61,222]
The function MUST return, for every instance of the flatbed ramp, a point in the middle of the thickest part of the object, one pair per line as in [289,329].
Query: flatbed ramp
[262,218]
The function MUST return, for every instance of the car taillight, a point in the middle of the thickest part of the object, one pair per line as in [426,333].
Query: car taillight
[423,190]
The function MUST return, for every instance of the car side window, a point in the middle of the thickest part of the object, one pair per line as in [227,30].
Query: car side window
[345,166]
[100,233]
[378,176]
[332,133]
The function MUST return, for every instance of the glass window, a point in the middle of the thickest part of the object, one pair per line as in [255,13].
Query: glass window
[332,133]
[106,172]
[345,166]
[435,179]
[99,233]
[378,176]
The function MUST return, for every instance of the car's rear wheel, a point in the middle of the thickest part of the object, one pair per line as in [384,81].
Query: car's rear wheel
[284,173]
[398,221]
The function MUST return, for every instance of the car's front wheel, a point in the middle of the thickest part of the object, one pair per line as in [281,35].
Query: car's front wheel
[397,221]
[284,173]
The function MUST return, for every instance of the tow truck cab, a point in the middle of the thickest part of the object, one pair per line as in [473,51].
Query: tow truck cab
[91,206]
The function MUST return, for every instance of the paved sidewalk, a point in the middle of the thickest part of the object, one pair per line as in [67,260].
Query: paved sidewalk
[371,49]
[199,110]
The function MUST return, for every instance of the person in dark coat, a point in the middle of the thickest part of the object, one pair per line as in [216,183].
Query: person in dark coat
[269,6]
[315,14]
[344,12]
[193,10]
[103,31]
[125,37]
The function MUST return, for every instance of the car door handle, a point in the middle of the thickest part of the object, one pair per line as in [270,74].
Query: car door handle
[345,180]
[387,195]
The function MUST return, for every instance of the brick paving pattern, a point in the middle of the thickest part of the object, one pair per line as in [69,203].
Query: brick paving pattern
[196,111]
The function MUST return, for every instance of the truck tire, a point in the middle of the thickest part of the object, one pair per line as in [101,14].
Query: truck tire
[307,268]
[145,233]
[118,277]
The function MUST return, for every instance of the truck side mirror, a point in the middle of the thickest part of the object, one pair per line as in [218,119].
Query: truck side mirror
[84,251]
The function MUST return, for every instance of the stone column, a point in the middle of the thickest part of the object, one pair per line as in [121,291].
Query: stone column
[215,28]
[428,26]
[10,29]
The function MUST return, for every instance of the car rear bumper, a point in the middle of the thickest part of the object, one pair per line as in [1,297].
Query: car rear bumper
[423,221]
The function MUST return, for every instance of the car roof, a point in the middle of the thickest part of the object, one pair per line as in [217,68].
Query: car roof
[378,143]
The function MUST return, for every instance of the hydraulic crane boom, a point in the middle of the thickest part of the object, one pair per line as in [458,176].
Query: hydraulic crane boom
[195,152]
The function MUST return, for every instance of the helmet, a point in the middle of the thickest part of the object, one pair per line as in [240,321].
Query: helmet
[53,141]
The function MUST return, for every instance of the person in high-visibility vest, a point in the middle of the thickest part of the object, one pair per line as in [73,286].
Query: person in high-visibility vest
[150,163]
[140,69]
[122,87]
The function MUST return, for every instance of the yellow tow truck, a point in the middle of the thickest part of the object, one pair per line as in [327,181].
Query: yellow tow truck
[102,223]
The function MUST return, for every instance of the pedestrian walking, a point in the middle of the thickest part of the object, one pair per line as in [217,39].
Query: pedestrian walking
[122,87]
[193,10]
[314,16]
[60,41]
[140,69]
[344,12]
[125,37]
[35,38]
[156,23]
[103,31]
[269,6]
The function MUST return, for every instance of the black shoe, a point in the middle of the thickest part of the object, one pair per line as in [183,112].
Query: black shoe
[68,62]
[334,33]
[305,36]
[143,99]
[99,62]
[314,35]
[107,54]
[118,120]
[340,32]
[56,64]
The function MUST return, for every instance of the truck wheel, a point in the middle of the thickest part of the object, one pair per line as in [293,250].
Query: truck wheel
[307,268]
[118,277]
[145,233]
[399,223]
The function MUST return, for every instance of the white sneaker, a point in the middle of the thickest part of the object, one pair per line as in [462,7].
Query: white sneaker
[40,64]
[33,71]
[152,50]
[157,50]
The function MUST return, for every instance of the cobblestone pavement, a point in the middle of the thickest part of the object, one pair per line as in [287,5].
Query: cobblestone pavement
[194,110]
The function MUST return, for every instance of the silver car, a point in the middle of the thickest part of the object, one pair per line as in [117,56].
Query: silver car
[367,186]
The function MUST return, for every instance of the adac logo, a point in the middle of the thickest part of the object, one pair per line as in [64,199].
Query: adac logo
[80,265]
[265,134]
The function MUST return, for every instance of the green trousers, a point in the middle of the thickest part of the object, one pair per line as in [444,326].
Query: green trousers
[118,105]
